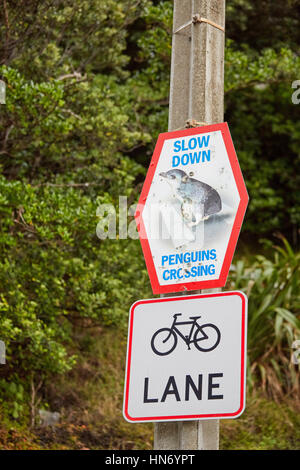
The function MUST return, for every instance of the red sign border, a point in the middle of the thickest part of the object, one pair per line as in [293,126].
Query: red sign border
[244,198]
[242,370]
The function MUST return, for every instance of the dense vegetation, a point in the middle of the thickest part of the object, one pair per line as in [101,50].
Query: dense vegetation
[87,94]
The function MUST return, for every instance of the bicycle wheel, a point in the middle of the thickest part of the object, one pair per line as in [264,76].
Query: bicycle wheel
[163,341]
[207,337]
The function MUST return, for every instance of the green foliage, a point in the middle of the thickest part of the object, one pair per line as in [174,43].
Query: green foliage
[265,425]
[66,131]
[14,393]
[272,287]
[56,271]
[87,94]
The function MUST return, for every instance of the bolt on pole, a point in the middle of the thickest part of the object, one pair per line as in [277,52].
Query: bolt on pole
[196,95]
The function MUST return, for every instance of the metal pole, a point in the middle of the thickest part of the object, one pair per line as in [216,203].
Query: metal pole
[196,92]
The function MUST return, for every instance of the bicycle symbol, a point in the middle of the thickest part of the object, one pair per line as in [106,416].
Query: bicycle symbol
[205,337]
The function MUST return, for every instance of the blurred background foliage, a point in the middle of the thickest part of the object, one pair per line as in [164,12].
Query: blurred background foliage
[87,95]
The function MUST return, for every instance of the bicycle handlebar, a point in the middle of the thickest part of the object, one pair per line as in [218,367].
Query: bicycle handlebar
[176,315]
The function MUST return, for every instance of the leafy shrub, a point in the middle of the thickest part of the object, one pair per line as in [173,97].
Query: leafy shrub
[272,287]
[56,276]
[85,101]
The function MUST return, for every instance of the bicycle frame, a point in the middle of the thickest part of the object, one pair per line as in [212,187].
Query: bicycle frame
[188,340]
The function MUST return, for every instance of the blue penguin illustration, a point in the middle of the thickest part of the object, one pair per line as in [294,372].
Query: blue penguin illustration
[198,199]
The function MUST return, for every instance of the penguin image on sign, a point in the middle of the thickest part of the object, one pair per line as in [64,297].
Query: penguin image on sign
[198,200]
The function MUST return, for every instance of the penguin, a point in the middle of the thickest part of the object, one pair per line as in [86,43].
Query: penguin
[198,200]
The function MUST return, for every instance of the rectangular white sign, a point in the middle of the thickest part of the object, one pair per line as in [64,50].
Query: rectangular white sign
[186,358]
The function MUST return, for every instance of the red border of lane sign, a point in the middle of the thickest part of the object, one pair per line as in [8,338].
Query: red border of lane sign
[244,198]
[242,370]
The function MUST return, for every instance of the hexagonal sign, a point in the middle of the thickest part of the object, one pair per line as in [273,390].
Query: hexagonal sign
[191,209]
